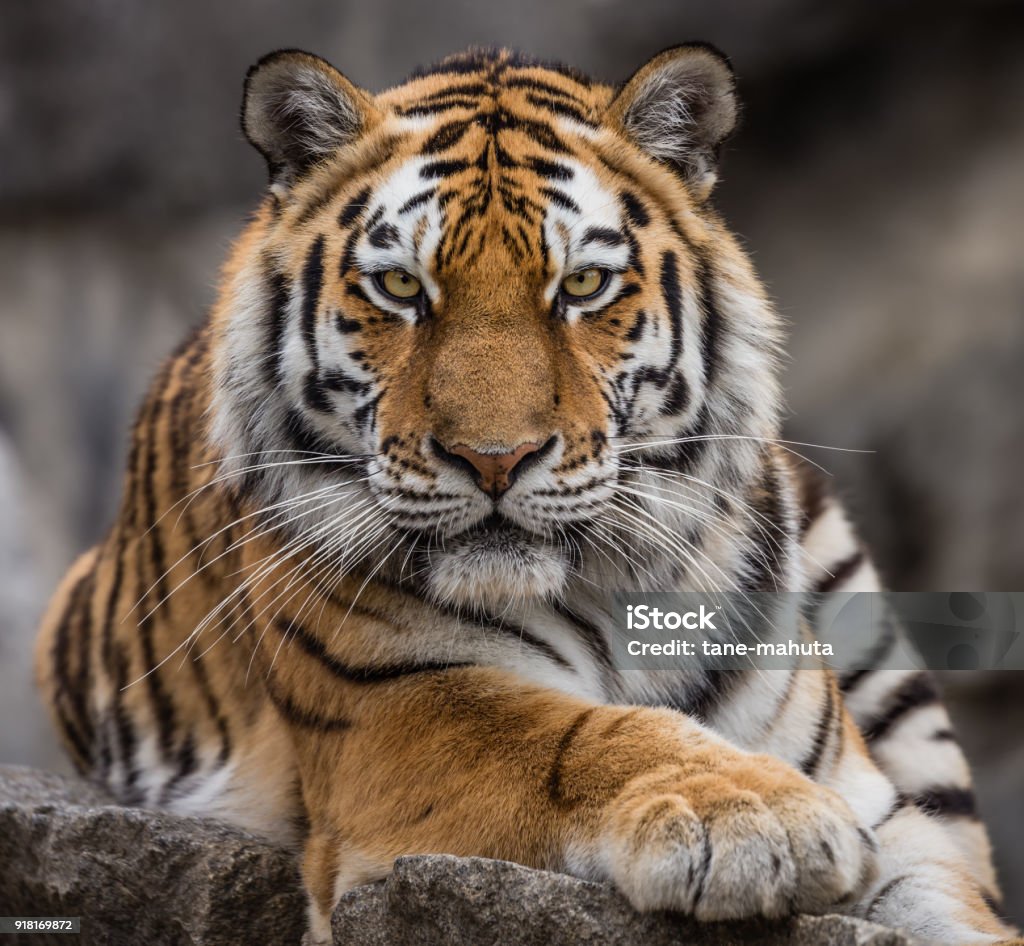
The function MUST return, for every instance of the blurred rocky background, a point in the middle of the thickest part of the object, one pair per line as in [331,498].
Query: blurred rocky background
[878,179]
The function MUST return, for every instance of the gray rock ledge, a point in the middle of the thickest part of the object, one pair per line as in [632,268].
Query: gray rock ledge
[144,877]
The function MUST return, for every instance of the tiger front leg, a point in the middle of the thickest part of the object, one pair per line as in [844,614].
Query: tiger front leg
[471,762]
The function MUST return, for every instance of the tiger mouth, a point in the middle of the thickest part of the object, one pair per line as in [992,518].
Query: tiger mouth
[492,564]
[496,533]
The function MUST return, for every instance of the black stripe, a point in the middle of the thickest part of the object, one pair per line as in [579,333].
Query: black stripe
[82,683]
[317,204]
[635,210]
[316,649]
[312,280]
[297,716]
[500,626]
[878,654]
[677,396]
[673,303]
[438,107]
[917,691]
[278,289]
[762,557]
[560,108]
[562,199]
[351,211]
[883,894]
[338,380]
[153,532]
[346,325]
[436,169]
[187,763]
[698,883]
[712,323]
[212,705]
[112,659]
[899,803]
[809,764]
[555,775]
[447,136]
[383,236]
[123,725]
[512,244]
[591,635]
[636,330]
[947,801]
[348,254]
[416,200]
[539,132]
[634,262]
[302,437]
[686,455]
[182,408]
[993,902]
[365,416]
[525,637]
[701,699]
[840,572]
[465,89]
[80,747]
[314,395]
[76,724]
[814,496]
[538,85]
[356,292]
[375,218]
[604,235]
[162,705]
[551,170]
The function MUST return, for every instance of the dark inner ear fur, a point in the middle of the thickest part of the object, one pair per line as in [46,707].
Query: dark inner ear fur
[297,109]
[679,107]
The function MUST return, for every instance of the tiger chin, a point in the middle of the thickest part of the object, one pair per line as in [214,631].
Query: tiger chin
[484,356]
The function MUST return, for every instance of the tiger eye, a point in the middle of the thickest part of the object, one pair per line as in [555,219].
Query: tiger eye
[584,282]
[400,284]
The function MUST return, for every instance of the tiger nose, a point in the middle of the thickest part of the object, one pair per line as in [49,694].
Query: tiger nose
[494,472]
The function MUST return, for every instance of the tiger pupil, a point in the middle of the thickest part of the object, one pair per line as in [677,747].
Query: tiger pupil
[584,282]
[400,284]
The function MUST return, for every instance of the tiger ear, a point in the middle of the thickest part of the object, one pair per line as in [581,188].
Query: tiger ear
[297,109]
[679,108]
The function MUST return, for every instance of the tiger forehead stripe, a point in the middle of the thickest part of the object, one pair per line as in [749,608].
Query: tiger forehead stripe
[484,151]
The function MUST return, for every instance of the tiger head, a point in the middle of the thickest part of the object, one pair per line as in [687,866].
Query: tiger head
[486,331]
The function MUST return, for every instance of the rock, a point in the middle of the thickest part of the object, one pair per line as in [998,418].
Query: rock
[137,876]
[477,902]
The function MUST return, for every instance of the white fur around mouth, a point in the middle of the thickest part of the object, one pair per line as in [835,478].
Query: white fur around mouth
[494,565]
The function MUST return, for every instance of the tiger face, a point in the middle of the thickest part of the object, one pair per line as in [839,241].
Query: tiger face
[487,318]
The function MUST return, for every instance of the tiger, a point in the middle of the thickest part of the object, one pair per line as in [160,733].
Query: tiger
[485,356]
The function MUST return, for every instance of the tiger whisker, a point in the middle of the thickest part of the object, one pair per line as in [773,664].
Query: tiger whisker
[786,445]
[190,639]
[307,539]
[708,521]
[285,505]
[749,511]
[359,457]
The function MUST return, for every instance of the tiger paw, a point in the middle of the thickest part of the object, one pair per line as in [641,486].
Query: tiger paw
[752,838]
